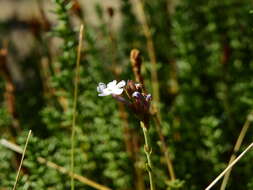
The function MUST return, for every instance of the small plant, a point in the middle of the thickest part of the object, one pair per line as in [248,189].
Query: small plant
[139,102]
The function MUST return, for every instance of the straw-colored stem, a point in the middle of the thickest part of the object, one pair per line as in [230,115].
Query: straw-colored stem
[22,159]
[152,55]
[236,149]
[229,167]
[164,148]
[53,165]
[77,78]
[72,175]
[148,151]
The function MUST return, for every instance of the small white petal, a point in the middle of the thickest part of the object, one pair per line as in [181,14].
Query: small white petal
[101,86]
[105,93]
[121,84]
[117,91]
[111,84]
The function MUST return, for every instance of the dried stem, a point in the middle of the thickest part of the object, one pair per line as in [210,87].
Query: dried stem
[22,159]
[148,151]
[9,92]
[152,55]
[165,148]
[72,175]
[77,78]
[229,167]
[61,169]
[236,149]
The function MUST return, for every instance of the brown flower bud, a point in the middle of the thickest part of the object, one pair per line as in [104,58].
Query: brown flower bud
[136,61]
[110,11]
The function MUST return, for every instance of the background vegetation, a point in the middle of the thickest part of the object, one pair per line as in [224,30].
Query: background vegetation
[202,53]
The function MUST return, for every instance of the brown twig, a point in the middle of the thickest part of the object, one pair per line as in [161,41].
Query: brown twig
[9,92]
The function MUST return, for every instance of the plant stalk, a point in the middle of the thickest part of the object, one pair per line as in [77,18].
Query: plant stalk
[164,148]
[22,159]
[77,78]
[236,149]
[62,170]
[148,151]
[152,55]
[229,167]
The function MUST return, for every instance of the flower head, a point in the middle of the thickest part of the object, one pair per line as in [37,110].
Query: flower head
[135,97]
[112,88]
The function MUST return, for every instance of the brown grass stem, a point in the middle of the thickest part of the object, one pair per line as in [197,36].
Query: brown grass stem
[53,165]
[9,93]
[229,167]
[77,78]
[164,148]
[80,178]
[236,149]
[152,55]
[22,159]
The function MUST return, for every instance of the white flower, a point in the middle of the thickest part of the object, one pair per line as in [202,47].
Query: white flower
[111,88]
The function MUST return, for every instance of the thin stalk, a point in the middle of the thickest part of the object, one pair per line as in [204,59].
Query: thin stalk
[22,159]
[55,166]
[77,78]
[236,149]
[229,167]
[80,178]
[152,55]
[164,148]
[148,151]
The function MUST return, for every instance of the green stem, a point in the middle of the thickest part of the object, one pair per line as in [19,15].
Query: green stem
[148,151]
[77,78]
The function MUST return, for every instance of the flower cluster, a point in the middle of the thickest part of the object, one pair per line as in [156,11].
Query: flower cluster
[134,97]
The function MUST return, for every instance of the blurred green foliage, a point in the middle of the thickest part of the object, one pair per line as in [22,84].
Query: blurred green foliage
[203,47]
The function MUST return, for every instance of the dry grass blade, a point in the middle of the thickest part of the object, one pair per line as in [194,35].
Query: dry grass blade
[152,54]
[22,159]
[53,165]
[77,78]
[229,167]
[236,149]
[72,175]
